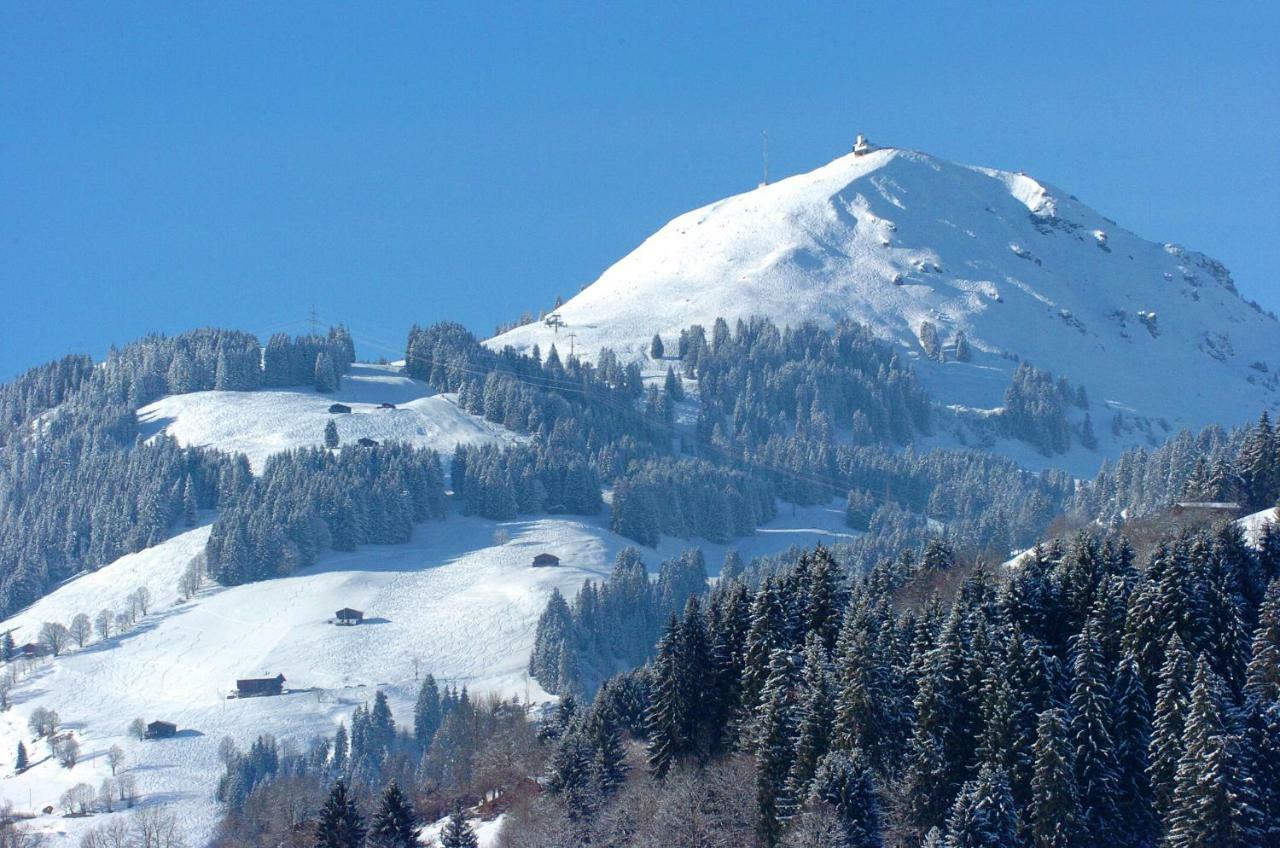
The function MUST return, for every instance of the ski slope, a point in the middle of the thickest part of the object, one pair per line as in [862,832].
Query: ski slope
[260,423]
[456,601]
[895,238]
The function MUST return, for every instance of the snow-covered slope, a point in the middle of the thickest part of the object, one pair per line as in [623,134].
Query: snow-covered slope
[458,601]
[895,238]
[264,422]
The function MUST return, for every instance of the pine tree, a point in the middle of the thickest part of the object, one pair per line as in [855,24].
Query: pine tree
[340,824]
[664,718]
[608,757]
[1132,734]
[656,349]
[1056,820]
[984,815]
[394,825]
[1172,696]
[672,385]
[326,375]
[844,783]
[21,762]
[330,434]
[773,743]
[188,503]
[458,833]
[1262,679]
[426,712]
[1213,800]
[813,726]
[1091,718]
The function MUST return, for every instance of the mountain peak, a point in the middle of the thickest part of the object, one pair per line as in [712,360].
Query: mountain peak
[896,238]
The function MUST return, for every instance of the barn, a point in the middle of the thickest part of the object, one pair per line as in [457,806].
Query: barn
[546,561]
[348,616]
[161,730]
[251,687]
[339,409]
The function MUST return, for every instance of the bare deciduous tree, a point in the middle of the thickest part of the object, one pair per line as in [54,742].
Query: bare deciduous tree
[141,599]
[81,629]
[67,750]
[104,621]
[108,793]
[115,758]
[127,789]
[54,637]
[78,800]
[43,722]
[138,729]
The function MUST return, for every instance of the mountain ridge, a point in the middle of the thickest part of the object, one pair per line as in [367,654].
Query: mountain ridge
[897,239]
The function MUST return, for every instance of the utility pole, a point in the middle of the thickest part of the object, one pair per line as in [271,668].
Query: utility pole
[573,337]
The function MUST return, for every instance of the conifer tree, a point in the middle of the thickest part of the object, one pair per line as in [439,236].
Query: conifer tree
[773,743]
[330,434]
[813,725]
[656,349]
[1091,718]
[1262,680]
[1056,820]
[426,712]
[1213,799]
[1132,734]
[844,783]
[394,825]
[458,833]
[21,761]
[340,824]
[983,815]
[664,718]
[1172,696]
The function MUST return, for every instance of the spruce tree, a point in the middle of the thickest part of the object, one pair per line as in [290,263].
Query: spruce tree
[844,784]
[1091,720]
[656,349]
[330,434]
[340,824]
[984,815]
[1132,734]
[21,761]
[458,833]
[1213,800]
[1056,820]
[664,718]
[773,742]
[426,712]
[1172,697]
[813,726]
[394,825]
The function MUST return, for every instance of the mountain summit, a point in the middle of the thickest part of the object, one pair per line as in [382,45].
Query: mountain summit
[920,249]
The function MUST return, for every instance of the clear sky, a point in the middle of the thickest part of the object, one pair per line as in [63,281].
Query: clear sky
[165,166]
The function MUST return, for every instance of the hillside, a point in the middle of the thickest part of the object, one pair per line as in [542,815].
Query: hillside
[260,423]
[459,601]
[896,239]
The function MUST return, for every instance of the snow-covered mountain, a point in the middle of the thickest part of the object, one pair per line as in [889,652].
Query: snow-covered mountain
[897,238]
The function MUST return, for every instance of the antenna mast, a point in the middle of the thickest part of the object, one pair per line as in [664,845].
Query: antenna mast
[765,136]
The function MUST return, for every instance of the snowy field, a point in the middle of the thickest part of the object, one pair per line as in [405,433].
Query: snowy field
[452,601]
[264,422]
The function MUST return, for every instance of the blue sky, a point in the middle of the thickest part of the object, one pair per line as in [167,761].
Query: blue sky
[168,166]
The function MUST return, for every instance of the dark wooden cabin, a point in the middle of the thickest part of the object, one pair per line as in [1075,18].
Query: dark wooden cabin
[161,730]
[366,442]
[339,409]
[253,686]
[385,405]
[348,616]
[546,561]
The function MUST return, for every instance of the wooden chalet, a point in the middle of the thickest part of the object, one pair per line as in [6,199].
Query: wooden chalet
[385,405]
[366,442]
[251,687]
[348,617]
[1224,509]
[546,561]
[161,730]
[339,409]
